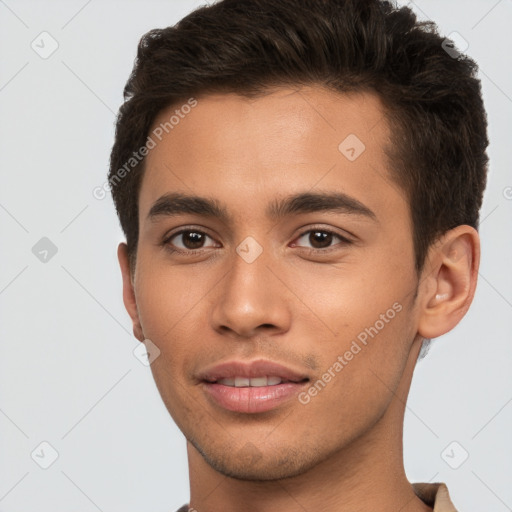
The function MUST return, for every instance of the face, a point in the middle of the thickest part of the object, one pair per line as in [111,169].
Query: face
[299,251]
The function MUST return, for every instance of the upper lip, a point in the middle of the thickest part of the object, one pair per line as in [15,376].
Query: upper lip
[251,369]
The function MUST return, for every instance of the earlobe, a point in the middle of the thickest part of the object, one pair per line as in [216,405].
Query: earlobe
[129,300]
[449,281]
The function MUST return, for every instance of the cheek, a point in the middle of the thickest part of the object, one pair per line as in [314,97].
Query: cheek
[167,296]
[173,311]
[365,332]
[361,372]
[345,298]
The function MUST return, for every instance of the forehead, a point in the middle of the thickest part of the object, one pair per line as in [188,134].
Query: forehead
[245,149]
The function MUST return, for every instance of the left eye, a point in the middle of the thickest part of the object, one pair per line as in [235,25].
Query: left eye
[320,238]
[190,239]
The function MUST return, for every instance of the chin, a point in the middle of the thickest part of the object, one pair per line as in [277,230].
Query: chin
[249,463]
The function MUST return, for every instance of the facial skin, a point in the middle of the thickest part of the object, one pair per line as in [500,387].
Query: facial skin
[292,305]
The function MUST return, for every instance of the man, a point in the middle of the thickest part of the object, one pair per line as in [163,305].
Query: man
[299,183]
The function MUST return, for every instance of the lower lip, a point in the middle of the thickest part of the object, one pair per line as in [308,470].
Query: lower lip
[252,399]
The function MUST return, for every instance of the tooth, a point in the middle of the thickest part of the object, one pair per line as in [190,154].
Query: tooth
[256,382]
[227,382]
[241,382]
[259,381]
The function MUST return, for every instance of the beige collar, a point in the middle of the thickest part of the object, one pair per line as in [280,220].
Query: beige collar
[435,495]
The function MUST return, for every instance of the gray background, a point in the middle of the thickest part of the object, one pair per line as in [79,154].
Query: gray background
[68,375]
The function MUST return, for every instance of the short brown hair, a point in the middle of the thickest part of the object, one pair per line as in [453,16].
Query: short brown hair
[432,97]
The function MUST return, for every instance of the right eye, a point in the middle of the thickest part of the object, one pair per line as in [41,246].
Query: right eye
[188,241]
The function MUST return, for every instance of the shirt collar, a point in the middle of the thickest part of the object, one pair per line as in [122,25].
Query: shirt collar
[435,495]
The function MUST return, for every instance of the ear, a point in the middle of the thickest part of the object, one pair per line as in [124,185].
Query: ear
[128,290]
[448,281]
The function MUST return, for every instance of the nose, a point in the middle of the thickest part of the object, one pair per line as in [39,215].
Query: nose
[251,300]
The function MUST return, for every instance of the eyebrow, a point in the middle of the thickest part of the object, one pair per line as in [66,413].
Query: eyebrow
[174,204]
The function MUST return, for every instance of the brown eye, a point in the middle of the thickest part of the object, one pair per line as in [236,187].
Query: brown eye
[192,239]
[319,239]
[188,240]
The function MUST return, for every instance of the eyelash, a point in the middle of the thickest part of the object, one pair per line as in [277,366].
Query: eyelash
[192,252]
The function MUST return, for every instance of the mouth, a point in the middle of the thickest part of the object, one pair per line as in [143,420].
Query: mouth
[254,382]
[251,387]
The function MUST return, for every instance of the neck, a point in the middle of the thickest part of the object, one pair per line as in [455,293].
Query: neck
[367,474]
